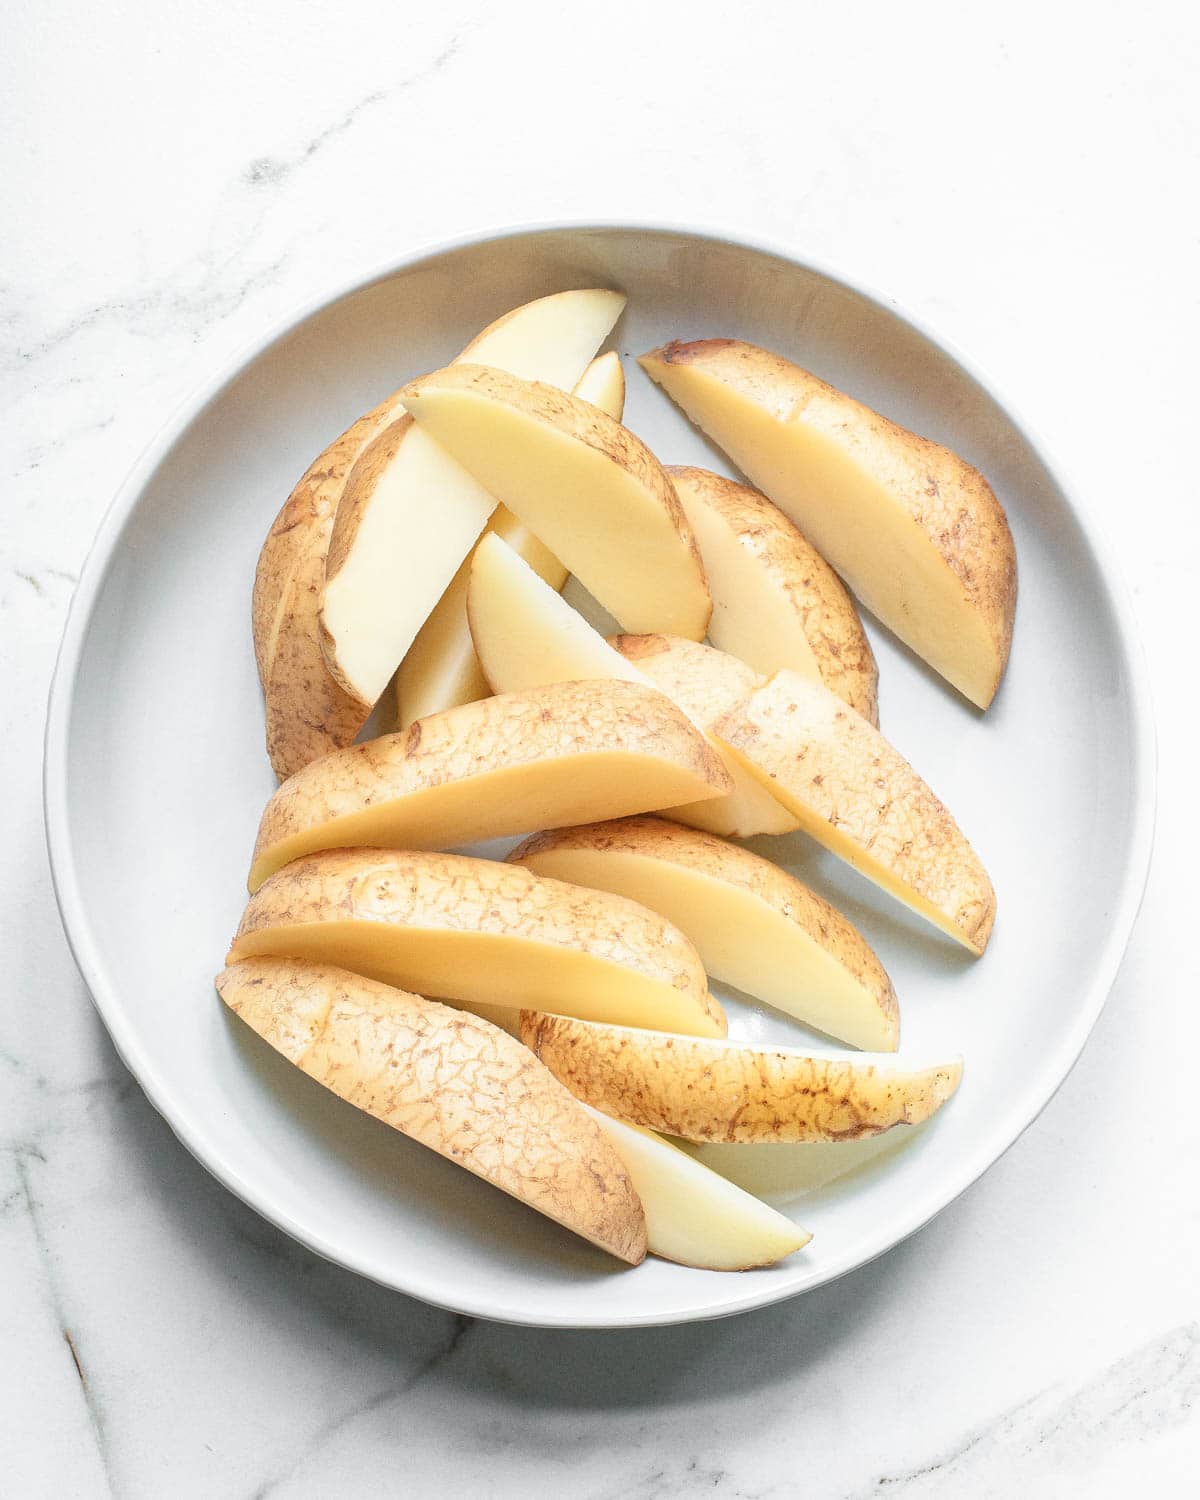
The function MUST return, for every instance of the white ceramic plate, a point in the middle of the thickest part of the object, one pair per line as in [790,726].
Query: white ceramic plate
[156,774]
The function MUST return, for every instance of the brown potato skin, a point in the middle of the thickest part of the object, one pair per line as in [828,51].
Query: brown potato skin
[457,893]
[705,854]
[701,1091]
[837,772]
[589,425]
[947,497]
[308,713]
[503,732]
[449,1080]
[831,622]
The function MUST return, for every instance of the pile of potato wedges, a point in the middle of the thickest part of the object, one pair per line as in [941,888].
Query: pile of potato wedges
[545,1020]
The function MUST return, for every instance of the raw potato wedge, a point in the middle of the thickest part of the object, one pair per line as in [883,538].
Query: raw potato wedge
[856,794]
[776,601]
[590,490]
[914,530]
[409,513]
[706,1090]
[706,683]
[478,932]
[754,925]
[441,669]
[694,1216]
[451,1082]
[526,634]
[570,751]
[308,712]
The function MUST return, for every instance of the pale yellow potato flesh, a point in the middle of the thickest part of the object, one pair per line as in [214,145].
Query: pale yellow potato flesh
[754,925]
[585,485]
[694,1216]
[441,669]
[451,1082]
[776,601]
[480,932]
[409,513]
[569,751]
[603,384]
[718,1090]
[706,683]
[855,793]
[526,634]
[308,712]
[915,531]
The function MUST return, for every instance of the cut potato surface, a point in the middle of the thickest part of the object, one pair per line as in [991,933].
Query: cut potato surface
[480,932]
[526,634]
[451,1082]
[603,384]
[716,1090]
[694,1216]
[308,712]
[409,513]
[707,683]
[504,765]
[754,925]
[776,601]
[590,490]
[855,793]
[441,669]
[914,530]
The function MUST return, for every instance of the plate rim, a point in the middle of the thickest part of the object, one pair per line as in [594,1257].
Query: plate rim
[104,993]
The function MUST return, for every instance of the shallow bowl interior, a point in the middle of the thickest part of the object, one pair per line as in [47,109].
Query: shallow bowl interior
[156,776]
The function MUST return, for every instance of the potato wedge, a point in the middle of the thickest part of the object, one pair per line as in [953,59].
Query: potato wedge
[441,669]
[571,750]
[409,513]
[776,601]
[694,1216]
[525,635]
[451,1082]
[590,490]
[914,530]
[476,931]
[754,925]
[720,1090]
[603,384]
[856,794]
[308,712]
[707,683]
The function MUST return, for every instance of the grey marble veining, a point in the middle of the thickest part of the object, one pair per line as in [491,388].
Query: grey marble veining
[182,179]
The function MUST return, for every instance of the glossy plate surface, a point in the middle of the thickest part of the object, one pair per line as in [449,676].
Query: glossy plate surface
[156,775]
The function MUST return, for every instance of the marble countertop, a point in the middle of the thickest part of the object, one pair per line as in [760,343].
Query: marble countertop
[178,178]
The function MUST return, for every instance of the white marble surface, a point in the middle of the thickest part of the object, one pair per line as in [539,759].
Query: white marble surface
[178,176]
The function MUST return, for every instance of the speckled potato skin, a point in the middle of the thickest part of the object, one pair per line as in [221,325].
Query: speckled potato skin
[550,407]
[704,682]
[452,1082]
[949,500]
[692,849]
[824,759]
[308,712]
[454,893]
[713,1091]
[340,800]
[819,598]
[707,683]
